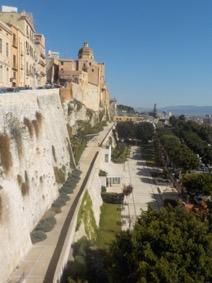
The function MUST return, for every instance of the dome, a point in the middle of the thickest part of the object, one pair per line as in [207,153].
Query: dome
[85,52]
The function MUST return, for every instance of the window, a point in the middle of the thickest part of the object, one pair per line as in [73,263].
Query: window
[14,61]
[106,158]
[14,40]
[7,49]
[0,45]
[113,181]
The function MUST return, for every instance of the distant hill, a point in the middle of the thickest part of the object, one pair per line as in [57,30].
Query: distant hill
[188,110]
[125,109]
[182,109]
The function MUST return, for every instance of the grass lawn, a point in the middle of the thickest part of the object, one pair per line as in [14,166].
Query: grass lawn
[110,224]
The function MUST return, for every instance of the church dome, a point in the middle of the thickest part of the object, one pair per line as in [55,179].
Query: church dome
[85,52]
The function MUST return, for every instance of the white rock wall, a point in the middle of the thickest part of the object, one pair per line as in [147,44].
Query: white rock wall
[20,213]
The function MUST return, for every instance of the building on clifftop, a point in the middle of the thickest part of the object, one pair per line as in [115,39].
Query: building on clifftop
[84,80]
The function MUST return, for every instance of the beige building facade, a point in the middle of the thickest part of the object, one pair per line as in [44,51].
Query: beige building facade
[86,73]
[40,59]
[5,55]
[28,61]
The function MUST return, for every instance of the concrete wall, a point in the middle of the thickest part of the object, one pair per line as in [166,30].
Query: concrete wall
[31,155]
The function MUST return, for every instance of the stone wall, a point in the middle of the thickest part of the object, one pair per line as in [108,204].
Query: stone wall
[88,94]
[33,142]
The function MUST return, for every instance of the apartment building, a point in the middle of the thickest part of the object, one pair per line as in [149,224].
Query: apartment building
[40,59]
[5,55]
[28,61]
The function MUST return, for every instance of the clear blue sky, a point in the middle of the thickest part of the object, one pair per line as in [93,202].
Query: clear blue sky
[155,51]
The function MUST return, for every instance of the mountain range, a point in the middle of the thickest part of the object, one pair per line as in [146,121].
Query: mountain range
[182,109]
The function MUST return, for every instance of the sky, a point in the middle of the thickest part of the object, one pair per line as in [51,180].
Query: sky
[155,51]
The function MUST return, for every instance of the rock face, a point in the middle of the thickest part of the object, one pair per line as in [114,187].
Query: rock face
[34,144]
[76,112]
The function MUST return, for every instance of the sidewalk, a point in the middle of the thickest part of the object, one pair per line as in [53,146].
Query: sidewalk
[33,267]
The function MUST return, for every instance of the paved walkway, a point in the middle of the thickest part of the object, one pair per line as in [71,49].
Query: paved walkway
[33,267]
[145,191]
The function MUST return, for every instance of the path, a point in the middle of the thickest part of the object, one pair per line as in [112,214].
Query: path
[145,192]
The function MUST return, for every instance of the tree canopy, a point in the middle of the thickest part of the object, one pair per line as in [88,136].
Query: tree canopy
[198,183]
[168,246]
[178,153]
[197,137]
[143,131]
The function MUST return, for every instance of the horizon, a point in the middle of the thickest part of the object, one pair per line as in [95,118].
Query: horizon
[162,55]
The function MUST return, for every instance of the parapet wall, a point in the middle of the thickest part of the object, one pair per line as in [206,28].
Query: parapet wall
[33,143]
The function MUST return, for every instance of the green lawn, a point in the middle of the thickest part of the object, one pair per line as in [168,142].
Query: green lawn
[109,224]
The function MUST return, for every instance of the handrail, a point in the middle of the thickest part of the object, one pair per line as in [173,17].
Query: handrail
[49,276]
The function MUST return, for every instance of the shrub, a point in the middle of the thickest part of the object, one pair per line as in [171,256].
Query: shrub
[29,125]
[78,104]
[89,113]
[103,189]
[102,173]
[127,190]
[54,154]
[6,157]
[170,202]
[37,236]
[16,133]
[71,154]
[120,153]
[59,175]
[69,129]
[46,224]
[114,198]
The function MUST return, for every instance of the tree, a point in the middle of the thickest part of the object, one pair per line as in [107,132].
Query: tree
[127,190]
[198,183]
[144,131]
[169,246]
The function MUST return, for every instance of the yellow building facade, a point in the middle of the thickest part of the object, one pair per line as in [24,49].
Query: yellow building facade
[5,55]
[28,60]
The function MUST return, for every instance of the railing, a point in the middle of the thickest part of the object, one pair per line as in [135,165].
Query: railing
[50,274]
